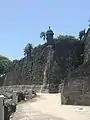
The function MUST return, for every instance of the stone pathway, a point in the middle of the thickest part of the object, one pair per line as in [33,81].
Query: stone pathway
[48,107]
[26,112]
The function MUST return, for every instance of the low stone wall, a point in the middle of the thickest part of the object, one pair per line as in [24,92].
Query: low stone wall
[8,90]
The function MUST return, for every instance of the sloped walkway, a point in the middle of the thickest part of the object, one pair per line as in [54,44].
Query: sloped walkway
[48,107]
[26,112]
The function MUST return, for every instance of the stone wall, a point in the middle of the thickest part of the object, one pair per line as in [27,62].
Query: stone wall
[77,90]
[31,71]
[8,90]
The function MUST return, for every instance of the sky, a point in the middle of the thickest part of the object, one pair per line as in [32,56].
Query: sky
[21,22]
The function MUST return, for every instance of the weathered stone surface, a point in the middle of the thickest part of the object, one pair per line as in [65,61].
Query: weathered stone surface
[77,89]
[7,91]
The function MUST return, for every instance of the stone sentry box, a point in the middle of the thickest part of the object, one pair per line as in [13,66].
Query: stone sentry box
[49,37]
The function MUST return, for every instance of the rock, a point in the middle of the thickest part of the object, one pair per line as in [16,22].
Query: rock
[21,96]
[33,94]
[28,95]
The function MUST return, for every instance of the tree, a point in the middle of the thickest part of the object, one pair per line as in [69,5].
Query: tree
[28,50]
[2,69]
[5,64]
[66,37]
[82,34]
[43,35]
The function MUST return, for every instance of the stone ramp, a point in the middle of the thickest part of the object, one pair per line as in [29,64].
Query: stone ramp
[51,104]
[48,107]
[26,112]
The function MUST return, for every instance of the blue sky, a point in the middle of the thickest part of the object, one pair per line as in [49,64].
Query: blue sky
[21,21]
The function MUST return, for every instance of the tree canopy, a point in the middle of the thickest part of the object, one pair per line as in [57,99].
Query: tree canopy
[5,64]
[43,35]
[28,49]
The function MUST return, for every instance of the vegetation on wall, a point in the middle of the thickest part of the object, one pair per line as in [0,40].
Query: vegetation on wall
[77,44]
[28,50]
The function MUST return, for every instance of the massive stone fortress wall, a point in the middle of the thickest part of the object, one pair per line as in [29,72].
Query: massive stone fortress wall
[77,90]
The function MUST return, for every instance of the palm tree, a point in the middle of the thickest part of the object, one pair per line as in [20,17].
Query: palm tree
[28,49]
[43,35]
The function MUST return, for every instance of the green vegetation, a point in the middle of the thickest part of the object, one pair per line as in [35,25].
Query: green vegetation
[82,34]
[28,50]
[5,64]
[43,35]
[66,38]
